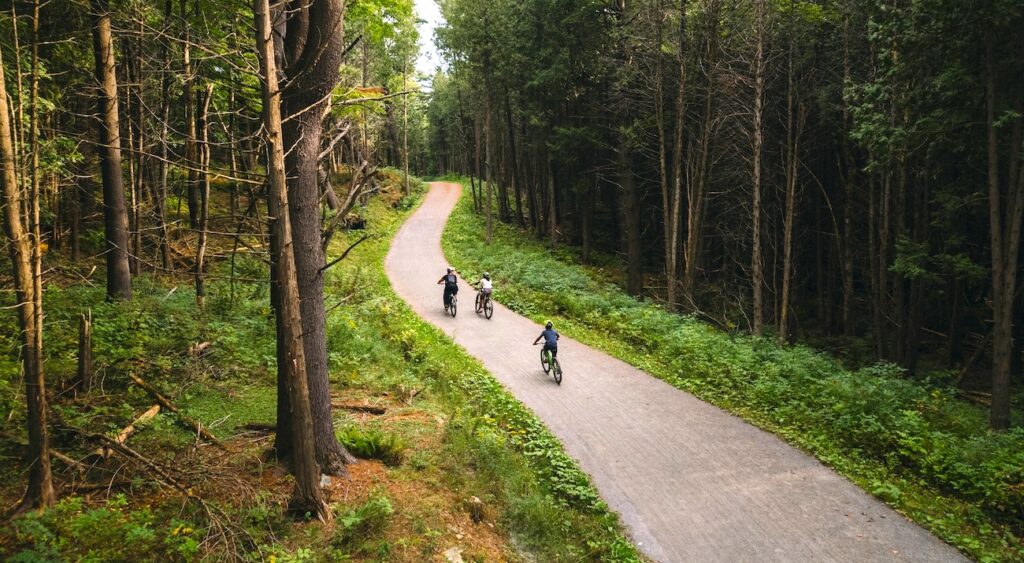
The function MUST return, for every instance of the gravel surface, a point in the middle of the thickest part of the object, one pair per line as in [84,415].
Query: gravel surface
[690,481]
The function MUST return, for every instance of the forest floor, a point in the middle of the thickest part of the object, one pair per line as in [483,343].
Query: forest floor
[910,442]
[439,477]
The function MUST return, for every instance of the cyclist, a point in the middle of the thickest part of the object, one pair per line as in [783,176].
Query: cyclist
[486,287]
[451,286]
[550,336]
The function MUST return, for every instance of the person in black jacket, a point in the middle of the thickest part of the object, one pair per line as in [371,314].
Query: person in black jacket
[451,286]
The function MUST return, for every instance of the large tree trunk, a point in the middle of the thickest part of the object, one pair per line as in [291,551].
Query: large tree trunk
[1005,218]
[307,497]
[313,47]
[115,212]
[40,485]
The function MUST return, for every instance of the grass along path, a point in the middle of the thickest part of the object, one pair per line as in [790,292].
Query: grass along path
[918,448]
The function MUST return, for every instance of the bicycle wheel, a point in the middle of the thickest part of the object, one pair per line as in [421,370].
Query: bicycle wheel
[544,360]
[477,304]
[452,308]
[488,307]
[556,370]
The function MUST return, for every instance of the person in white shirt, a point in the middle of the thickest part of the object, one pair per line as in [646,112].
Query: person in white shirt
[486,287]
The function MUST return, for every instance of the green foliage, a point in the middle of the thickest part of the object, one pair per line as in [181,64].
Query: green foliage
[373,443]
[873,423]
[357,524]
[111,532]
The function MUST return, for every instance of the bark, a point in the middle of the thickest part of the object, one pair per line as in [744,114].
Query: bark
[788,225]
[756,259]
[678,160]
[307,497]
[204,192]
[115,212]
[514,175]
[313,47]
[489,162]
[40,492]
[191,147]
[405,125]
[631,218]
[84,374]
[165,113]
[552,207]
[1005,218]
[698,188]
[477,205]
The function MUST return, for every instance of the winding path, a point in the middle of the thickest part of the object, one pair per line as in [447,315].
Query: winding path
[690,482]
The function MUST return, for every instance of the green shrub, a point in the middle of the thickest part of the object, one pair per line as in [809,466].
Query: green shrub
[111,532]
[373,443]
[367,520]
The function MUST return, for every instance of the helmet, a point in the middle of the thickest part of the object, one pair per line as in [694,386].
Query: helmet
[487,276]
[450,269]
[548,324]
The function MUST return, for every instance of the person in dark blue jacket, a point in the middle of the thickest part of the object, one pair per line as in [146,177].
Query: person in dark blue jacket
[550,336]
[451,286]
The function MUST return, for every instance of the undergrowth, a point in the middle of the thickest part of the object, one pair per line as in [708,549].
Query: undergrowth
[455,433]
[914,445]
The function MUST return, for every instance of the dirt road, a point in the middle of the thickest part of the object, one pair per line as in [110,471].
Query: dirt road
[691,482]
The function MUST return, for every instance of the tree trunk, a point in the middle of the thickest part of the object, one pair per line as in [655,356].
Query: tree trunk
[84,374]
[115,212]
[788,226]
[756,260]
[489,160]
[313,47]
[678,160]
[165,114]
[307,497]
[40,491]
[516,177]
[405,124]
[698,189]
[552,204]
[631,218]
[191,157]
[203,127]
[477,205]
[1005,218]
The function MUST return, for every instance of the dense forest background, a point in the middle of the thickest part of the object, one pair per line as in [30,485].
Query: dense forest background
[841,172]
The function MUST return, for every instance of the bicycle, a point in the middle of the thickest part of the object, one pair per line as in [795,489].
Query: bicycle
[484,304]
[450,309]
[549,363]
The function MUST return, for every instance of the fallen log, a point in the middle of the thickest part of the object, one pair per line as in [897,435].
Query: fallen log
[167,404]
[122,437]
[260,426]
[360,408]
